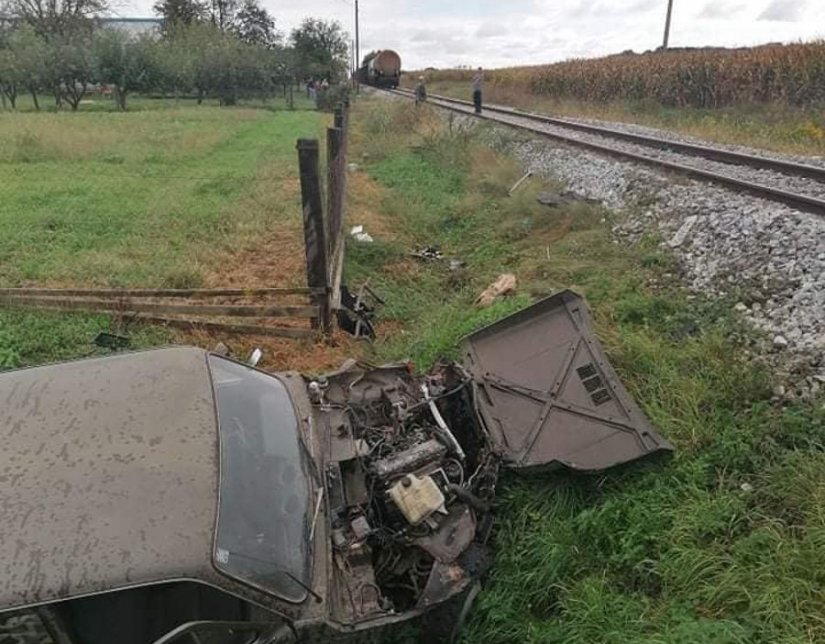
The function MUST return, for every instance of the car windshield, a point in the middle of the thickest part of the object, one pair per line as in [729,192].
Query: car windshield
[264,488]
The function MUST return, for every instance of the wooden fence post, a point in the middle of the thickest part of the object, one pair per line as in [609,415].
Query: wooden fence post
[315,232]
[334,183]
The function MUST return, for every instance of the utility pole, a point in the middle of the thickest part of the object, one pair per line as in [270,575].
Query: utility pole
[667,22]
[357,36]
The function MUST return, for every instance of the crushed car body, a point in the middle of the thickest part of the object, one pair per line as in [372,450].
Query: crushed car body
[316,507]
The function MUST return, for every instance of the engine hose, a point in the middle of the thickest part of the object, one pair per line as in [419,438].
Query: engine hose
[469,498]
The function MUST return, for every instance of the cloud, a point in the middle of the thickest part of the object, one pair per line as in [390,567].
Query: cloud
[721,10]
[446,33]
[783,11]
[491,30]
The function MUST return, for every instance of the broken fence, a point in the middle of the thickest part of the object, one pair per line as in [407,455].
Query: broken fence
[278,312]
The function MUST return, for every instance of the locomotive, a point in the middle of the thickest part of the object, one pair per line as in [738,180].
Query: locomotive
[380,69]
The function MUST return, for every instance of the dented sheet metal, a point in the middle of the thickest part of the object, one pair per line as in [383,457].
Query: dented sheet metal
[548,395]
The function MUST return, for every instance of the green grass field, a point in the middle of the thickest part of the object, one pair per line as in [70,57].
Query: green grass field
[150,197]
[141,198]
[721,543]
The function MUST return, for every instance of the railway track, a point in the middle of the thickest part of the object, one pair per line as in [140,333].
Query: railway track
[797,185]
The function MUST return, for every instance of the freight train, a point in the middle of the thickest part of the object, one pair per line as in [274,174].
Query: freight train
[380,69]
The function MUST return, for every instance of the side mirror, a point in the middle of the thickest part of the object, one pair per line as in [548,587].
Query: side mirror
[230,633]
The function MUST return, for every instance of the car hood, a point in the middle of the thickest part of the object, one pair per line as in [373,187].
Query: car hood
[548,395]
[109,474]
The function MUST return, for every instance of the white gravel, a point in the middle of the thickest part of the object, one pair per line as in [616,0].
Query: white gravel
[769,255]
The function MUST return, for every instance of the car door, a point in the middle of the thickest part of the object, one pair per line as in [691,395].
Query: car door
[547,394]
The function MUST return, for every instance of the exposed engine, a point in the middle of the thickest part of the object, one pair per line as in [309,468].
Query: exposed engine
[409,486]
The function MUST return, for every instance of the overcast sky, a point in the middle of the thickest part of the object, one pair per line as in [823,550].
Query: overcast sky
[494,33]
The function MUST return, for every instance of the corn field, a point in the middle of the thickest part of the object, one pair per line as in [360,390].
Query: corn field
[705,78]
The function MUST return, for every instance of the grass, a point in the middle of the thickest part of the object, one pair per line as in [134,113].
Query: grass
[175,196]
[780,128]
[722,542]
[154,198]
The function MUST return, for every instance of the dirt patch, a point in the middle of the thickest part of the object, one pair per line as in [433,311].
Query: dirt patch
[306,356]
[275,258]
[365,197]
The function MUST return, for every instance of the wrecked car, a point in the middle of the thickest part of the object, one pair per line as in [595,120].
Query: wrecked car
[176,496]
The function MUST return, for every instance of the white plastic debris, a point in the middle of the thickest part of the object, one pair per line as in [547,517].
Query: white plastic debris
[359,234]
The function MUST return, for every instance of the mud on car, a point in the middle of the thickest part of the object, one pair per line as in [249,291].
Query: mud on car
[177,496]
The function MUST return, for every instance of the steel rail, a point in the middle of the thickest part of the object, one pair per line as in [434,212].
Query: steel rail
[797,201]
[708,152]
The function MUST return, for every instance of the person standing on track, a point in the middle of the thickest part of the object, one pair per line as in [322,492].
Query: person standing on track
[478,89]
[420,91]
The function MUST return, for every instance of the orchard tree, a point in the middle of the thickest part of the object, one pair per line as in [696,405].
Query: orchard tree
[321,48]
[71,69]
[32,59]
[127,63]
[11,77]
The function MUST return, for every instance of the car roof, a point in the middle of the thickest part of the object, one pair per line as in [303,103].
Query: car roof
[108,474]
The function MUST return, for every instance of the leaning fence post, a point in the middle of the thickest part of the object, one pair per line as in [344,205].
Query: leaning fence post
[315,234]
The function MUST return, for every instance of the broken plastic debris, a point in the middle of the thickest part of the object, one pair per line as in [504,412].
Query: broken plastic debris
[505,285]
[359,234]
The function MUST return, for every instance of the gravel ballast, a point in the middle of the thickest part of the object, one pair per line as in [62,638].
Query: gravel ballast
[766,254]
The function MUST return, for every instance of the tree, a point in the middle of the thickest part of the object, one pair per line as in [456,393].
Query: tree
[11,77]
[71,69]
[58,18]
[178,14]
[223,14]
[255,26]
[31,54]
[321,48]
[128,63]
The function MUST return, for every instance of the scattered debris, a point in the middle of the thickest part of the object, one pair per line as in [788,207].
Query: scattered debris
[353,168]
[358,233]
[358,312]
[550,199]
[553,200]
[429,253]
[505,285]
[110,341]
[434,254]
[520,182]
[682,234]
[781,342]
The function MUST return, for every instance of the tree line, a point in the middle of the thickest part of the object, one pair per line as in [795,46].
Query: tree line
[224,49]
